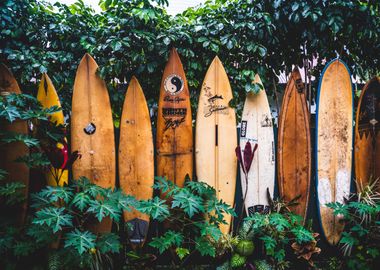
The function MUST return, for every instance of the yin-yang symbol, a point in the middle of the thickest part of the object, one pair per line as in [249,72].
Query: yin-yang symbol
[173,84]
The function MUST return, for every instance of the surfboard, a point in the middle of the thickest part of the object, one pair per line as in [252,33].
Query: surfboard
[92,131]
[334,138]
[294,149]
[136,161]
[257,128]
[48,97]
[17,171]
[215,137]
[174,140]
[367,135]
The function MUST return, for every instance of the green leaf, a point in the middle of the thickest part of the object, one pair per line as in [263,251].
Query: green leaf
[80,241]
[269,244]
[58,193]
[17,137]
[9,112]
[169,239]
[190,203]
[207,229]
[205,248]
[348,239]
[81,201]
[182,252]
[101,209]
[156,208]
[3,174]
[53,217]
[34,160]
[278,221]
[108,243]
[302,234]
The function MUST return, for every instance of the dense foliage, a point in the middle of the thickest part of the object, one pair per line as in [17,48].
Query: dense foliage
[360,242]
[133,37]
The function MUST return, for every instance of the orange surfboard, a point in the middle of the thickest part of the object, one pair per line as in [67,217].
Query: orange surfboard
[294,150]
[17,171]
[174,141]
[367,135]
[92,131]
[136,161]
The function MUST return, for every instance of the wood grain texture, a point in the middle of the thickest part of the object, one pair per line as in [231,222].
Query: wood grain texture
[92,131]
[367,135]
[294,149]
[136,161]
[17,171]
[216,137]
[48,97]
[257,128]
[334,135]
[174,140]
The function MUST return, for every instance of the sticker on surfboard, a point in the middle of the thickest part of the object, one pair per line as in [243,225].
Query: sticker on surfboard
[173,84]
[90,129]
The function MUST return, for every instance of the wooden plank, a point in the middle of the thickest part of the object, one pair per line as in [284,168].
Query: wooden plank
[136,161]
[257,128]
[294,149]
[334,137]
[92,131]
[216,137]
[17,171]
[367,135]
[174,140]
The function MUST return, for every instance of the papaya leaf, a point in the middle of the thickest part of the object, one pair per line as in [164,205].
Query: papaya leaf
[80,241]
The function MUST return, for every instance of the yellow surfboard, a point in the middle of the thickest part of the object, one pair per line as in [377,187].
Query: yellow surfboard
[48,97]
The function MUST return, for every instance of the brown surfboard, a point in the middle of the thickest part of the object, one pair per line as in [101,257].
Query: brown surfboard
[17,171]
[294,150]
[92,131]
[367,135]
[174,141]
[334,137]
[136,161]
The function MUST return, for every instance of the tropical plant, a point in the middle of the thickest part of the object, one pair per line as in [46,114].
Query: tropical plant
[360,241]
[191,214]
[281,235]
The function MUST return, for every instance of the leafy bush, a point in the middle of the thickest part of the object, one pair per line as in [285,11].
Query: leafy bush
[192,215]
[360,241]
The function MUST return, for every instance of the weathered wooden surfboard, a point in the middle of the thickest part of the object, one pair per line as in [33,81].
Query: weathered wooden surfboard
[17,171]
[216,137]
[367,135]
[174,140]
[92,131]
[48,97]
[257,128]
[136,161]
[334,138]
[294,149]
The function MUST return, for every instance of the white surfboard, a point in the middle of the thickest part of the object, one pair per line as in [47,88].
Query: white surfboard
[257,128]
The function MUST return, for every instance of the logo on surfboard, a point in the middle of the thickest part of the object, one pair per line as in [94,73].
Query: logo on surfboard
[173,84]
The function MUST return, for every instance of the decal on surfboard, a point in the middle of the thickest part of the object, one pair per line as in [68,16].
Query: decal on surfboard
[266,121]
[173,84]
[173,117]
[90,129]
[299,85]
[173,99]
[243,129]
[211,104]
[258,208]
